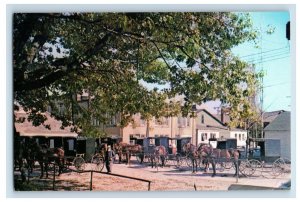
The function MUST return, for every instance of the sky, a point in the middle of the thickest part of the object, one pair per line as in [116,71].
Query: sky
[272,57]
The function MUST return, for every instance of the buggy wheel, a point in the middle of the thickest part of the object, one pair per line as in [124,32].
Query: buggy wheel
[250,167]
[178,161]
[257,167]
[278,167]
[138,158]
[79,163]
[220,166]
[189,162]
[98,163]
[227,164]
[246,169]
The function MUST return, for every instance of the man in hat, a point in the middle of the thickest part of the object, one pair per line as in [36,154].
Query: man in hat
[108,157]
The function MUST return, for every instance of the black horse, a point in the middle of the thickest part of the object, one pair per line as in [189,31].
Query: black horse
[44,156]
[210,155]
[157,154]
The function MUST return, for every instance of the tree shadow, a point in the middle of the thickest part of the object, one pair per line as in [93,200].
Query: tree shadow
[35,183]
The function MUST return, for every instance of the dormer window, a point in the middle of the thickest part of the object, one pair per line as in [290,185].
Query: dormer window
[202,119]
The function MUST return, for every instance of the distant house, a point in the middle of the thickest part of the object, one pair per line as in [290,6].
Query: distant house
[280,128]
[210,127]
[268,117]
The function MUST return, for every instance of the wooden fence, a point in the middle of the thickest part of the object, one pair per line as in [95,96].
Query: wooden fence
[93,171]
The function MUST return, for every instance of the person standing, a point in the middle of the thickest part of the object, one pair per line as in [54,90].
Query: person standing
[108,158]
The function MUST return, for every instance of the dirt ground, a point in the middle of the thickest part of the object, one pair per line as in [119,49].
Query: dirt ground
[162,179]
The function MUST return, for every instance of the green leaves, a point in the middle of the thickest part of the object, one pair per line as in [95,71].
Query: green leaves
[110,53]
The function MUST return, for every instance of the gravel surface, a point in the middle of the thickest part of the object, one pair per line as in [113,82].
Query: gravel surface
[162,179]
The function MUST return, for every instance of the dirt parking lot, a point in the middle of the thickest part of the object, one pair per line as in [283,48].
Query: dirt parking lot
[162,179]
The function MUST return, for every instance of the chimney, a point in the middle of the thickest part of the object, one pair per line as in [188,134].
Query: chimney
[222,115]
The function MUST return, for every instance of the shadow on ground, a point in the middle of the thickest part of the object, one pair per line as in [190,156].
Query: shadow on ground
[34,183]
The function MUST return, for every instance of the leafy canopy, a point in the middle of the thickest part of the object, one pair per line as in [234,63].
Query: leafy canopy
[57,55]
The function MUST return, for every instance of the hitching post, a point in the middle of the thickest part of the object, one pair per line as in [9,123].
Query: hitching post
[54,177]
[237,170]
[91,181]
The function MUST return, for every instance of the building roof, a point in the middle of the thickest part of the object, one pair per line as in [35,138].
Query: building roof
[281,123]
[217,120]
[27,129]
[215,128]
[225,116]
[270,116]
[211,128]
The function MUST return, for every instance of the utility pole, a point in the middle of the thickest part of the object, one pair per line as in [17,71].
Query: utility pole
[194,139]
[262,83]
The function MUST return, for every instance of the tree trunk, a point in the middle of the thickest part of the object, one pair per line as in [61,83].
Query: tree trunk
[147,128]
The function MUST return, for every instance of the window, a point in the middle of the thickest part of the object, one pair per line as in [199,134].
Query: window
[243,135]
[181,121]
[202,119]
[113,120]
[49,109]
[213,135]
[95,122]
[166,121]
[162,121]
[51,143]
[60,108]
[142,122]
[71,145]
[235,135]
[240,137]
[188,120]
[203,136]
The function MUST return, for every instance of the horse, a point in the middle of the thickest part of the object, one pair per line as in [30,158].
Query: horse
[19,154]
[44,156]
[192,153]
[127,149]
[209,155]
[158,153]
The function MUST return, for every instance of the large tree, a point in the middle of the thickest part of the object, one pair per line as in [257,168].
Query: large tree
[57,55]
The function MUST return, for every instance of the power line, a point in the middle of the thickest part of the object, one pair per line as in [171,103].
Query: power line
[270,60]
[269,56]
[272,85]
[272,50]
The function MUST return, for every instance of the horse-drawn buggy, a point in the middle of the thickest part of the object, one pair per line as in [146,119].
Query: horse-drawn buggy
[170,150]
[263,158]
[30,152]
[246,160]
[89,150]
[154,150]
